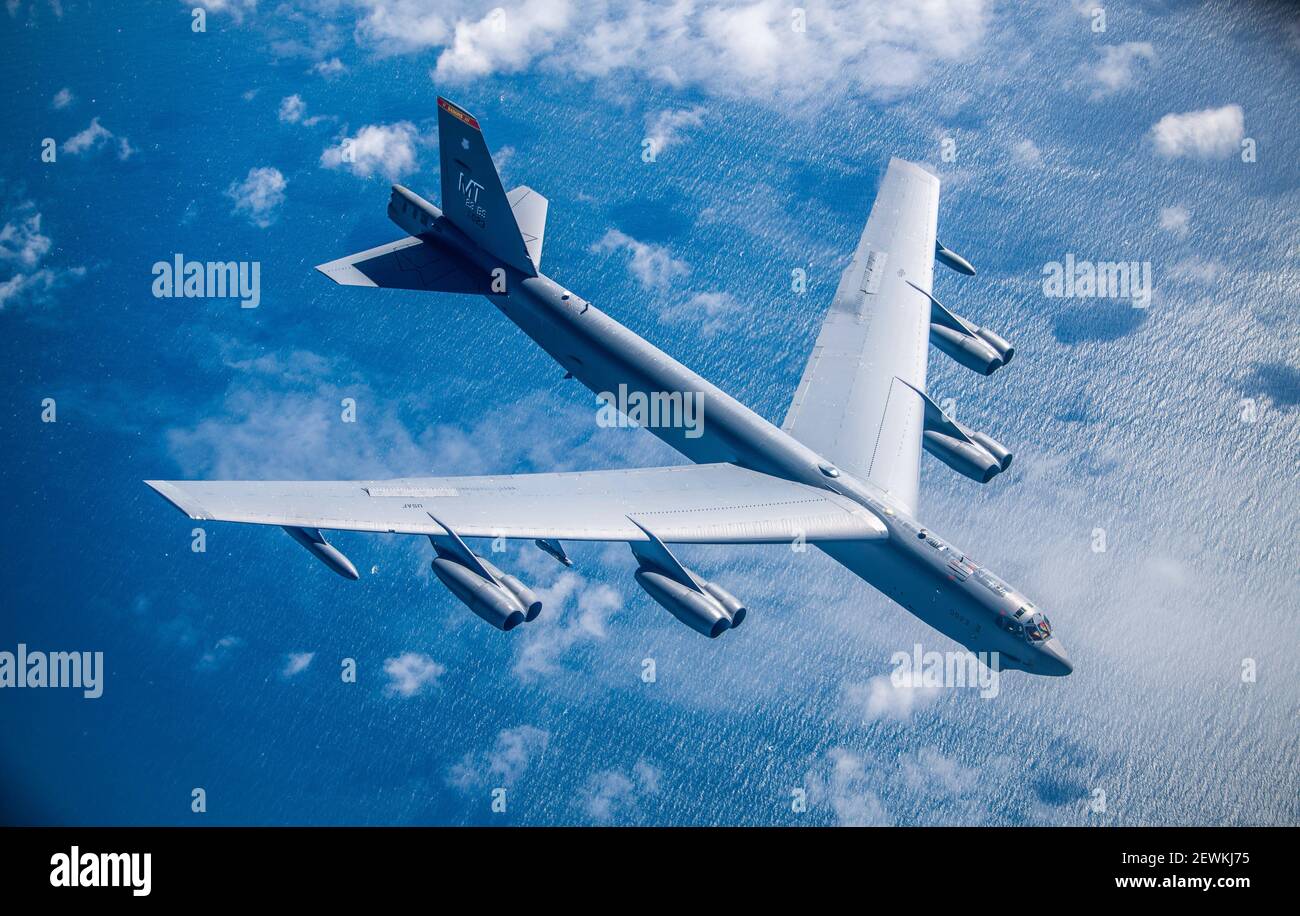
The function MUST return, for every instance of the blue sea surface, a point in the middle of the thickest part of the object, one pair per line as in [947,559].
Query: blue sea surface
[1171,430]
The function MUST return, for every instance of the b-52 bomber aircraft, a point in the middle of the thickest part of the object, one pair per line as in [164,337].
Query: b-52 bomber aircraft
[842,472]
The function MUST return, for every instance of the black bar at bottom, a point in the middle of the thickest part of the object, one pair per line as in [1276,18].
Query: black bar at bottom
[218,863]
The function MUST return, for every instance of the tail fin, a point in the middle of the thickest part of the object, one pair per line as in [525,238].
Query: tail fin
[472,196]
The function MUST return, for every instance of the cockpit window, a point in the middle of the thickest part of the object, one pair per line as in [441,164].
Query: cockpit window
[1039,628]
[1030,625]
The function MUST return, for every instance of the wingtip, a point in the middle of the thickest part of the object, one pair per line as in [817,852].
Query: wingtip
[169,491]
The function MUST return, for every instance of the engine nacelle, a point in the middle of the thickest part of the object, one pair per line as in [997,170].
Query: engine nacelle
[970,460]
[974,353]
[527,597]
[703,613]
[494,603]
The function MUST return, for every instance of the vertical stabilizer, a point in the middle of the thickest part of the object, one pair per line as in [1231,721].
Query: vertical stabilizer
[472,196]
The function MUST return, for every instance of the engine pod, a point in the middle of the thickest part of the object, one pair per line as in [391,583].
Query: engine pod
[486,599]
[699,611]
[974,353]
[969,460]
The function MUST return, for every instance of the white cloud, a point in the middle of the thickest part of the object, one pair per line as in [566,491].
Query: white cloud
[663,128]
[296,663]
[881,698]
[402,26]
[63,98]
[292,109]
[842,781]
[236,8]
[22,248]
[1175,219]
[279,420]
[501,159]
[611,794]
[219,654]
[503,41]
[1196,270]
[91,138]
[655,269]
[1026,153]
[35,286]
[746,48]
[21,239]
[706,313]
[652,265]
[515,750]
[751,49]
[388,149]
[259,195]
[1213,133]
[573,611]
[931,772]
[410,672]
[329,68]
[1119,65]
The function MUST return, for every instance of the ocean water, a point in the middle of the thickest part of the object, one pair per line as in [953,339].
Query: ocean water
[1171,429]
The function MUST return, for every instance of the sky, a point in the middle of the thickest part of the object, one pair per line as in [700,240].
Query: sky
[1151,509]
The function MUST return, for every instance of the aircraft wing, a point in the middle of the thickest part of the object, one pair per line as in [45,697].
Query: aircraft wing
[704,503]
[852,404]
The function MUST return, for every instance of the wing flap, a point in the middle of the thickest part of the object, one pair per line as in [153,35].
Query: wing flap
[718,503]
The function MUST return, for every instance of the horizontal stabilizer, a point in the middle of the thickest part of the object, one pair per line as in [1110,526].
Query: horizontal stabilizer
[529,208]
[411,263]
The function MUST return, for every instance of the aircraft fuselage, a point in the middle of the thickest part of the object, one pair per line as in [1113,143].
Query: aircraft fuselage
[913,567]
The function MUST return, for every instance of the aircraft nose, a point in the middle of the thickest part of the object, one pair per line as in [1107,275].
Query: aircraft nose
[1056,662]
